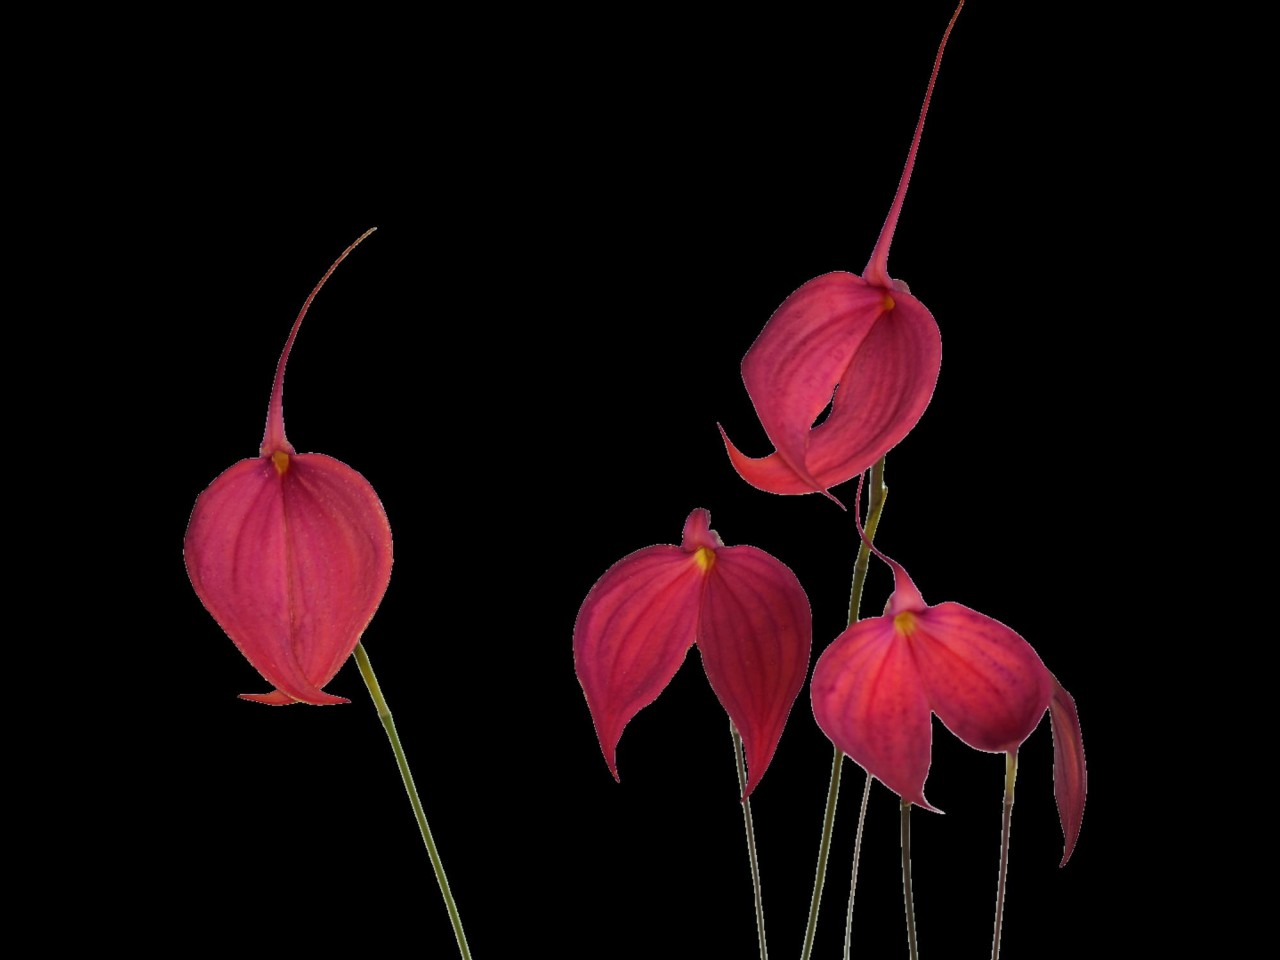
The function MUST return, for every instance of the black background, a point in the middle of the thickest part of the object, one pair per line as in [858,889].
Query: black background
[528,361]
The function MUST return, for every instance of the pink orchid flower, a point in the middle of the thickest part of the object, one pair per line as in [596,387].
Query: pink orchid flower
[875,687]
[866,340]
[745,610]
[291,554]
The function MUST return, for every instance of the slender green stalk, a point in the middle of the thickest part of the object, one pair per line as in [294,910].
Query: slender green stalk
[876,497]
[906,879]
[875,505]
[853,883]
[384,714]
[1010,775]
[824,847]
[751,841]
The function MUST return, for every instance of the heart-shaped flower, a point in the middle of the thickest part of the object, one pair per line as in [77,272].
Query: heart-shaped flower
[291,554]
[745,610]
[875,687]
[862,344]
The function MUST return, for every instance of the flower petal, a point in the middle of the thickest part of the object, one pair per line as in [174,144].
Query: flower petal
[985,683]
[632,633]
[883,350]
[792,368]
[292,565]
[1069,779]
[755,632]
[869,700]
[697,532]
[771,474]
[882,395]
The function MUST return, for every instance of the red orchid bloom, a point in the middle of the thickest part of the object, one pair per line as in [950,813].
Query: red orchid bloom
[875,687]
[291,554]
[868,340]
[746,611]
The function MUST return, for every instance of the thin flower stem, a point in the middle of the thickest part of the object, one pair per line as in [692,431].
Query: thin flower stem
[384,714]
[876,497]
[1010,775]
[875,506]
[828,821]
[906,879]
[751,841]
[853,883]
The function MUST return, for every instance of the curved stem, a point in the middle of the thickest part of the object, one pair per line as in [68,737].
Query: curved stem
[906,879]
[751,841]
[1010,775]
[875,506]
[853,883]
[876,497]
[384,714]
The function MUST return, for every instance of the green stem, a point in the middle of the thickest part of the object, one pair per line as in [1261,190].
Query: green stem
[1010,775]
[906,879]
[751,841]
[853,883]
[384,714]
[876,497]
[824,847]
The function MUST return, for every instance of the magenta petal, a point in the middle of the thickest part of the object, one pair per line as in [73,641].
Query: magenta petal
[1069,779]
[882,395]
[985,683]
[869,700]
[277,699]
[755,632]
[632,633]
[291,554]
[792,369]
[771,474]
[697,532]
[881,347]
[292,565]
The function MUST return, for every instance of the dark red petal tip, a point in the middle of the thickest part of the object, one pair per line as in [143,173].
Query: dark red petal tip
[1069,779]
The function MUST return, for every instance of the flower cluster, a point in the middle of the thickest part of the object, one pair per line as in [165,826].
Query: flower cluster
[867,347]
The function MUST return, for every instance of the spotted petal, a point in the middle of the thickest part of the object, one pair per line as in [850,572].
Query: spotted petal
[985,683]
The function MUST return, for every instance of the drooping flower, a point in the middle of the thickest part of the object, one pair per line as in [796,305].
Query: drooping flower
[876,685]
[745,610]
[866,340]
[291,554]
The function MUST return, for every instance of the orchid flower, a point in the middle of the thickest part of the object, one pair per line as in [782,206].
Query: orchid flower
[864,338]
[745,610]
[876,685]
[291,554]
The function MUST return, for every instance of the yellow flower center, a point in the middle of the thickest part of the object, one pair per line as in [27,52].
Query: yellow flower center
[281,460]
[705,558]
